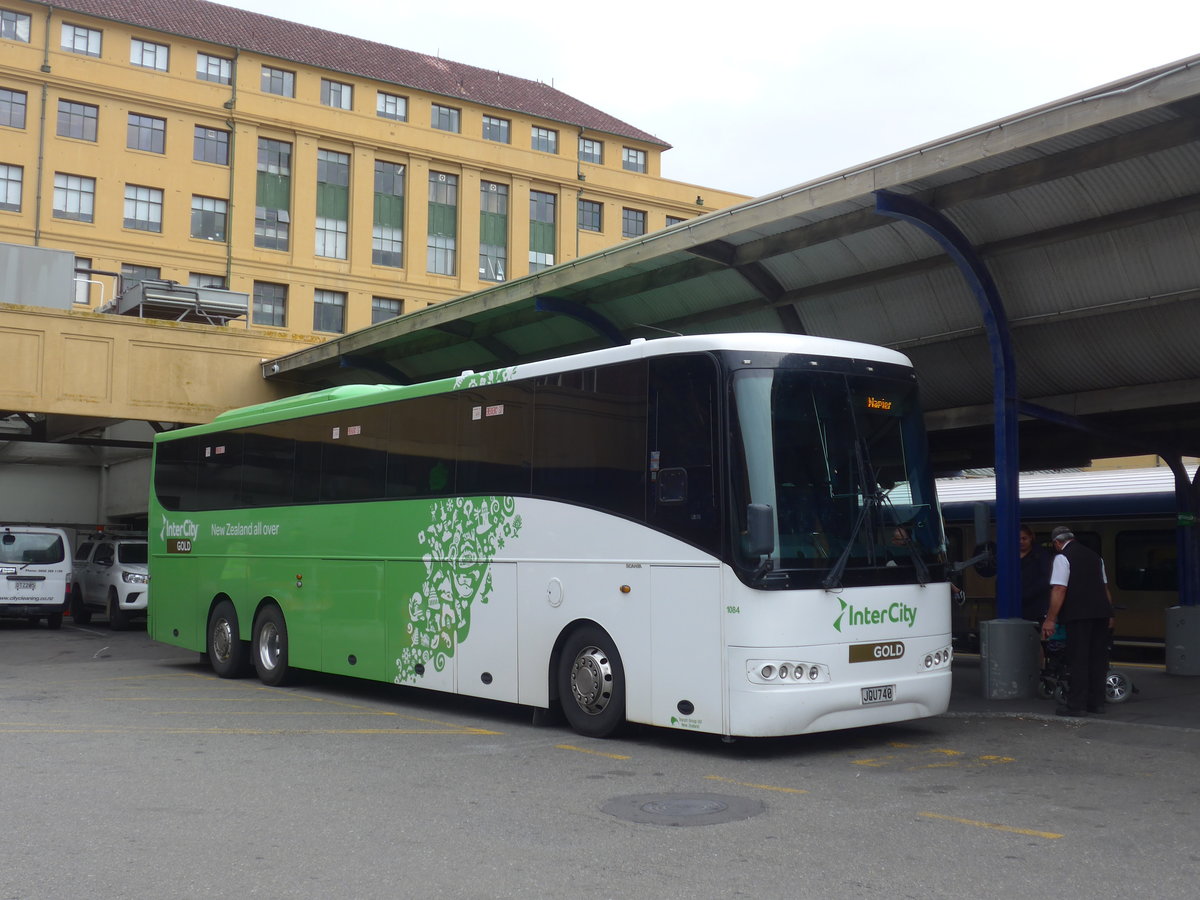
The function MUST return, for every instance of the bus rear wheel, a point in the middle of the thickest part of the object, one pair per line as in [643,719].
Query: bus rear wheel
[270,644]
[228,654]
[591,683]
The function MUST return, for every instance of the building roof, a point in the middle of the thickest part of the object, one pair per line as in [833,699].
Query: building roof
[1085,211]
[305,45]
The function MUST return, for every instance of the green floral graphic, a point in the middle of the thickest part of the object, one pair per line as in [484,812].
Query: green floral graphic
[493,376]
[463,536]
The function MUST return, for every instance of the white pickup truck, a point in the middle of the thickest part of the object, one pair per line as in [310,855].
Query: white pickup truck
[110,577]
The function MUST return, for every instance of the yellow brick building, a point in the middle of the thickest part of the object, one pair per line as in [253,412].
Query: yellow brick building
[334,180]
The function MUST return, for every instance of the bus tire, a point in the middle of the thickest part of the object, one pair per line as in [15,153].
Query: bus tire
[117,619]
[270,646]
[591,683]
[227,653]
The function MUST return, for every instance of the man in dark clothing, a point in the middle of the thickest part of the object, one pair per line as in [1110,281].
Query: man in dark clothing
[1079,597]
[1035,577]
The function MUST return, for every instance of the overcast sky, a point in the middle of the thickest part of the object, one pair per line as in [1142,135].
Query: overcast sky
[756,96]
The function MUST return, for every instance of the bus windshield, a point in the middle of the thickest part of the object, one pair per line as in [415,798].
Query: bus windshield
[840,459]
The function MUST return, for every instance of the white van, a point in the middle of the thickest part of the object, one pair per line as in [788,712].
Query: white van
[35,573]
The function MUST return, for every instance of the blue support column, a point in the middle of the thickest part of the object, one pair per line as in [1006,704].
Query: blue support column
[1004,390]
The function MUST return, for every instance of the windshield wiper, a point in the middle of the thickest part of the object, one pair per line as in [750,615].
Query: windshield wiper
[873,500]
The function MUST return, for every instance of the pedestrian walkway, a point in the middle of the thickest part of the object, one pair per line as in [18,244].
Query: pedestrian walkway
[1161,700]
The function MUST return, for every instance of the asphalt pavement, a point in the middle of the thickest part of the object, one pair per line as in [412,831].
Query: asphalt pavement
[1159,699]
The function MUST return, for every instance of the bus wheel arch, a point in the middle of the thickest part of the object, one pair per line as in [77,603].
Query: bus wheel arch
[269,644]
[228,654]
[589,680]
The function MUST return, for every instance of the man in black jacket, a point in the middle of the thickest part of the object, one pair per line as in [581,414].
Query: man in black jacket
[1079,597]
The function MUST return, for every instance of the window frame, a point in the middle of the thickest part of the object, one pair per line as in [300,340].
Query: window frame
[383,99]
[269,310]
[381,313]
[76,32]
[151,201]
[633,160]
[10,26]
[214,210]
[595,158]
[157,136]
[442,117]
[13,106]
[10,185]
[582,219]
[74,115]
[285,78]
[224,73]
[157,53]
[497,129]
[543,140]
[342,90]
[84,189]
[323,302]
[200,141]
[630,215]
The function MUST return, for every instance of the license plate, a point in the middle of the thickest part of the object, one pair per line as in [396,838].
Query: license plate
[883,693]
[24,585]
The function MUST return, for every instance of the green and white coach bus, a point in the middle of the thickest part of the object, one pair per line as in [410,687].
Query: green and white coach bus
[735,534]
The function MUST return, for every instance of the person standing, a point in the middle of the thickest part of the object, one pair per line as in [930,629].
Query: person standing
[1079,597]
[1036,563]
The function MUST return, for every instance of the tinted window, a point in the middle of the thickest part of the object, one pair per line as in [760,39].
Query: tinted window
[1147,560]
[589,442]
[682,426]
[132,554]
[421,450]
[176,467]
[494,439]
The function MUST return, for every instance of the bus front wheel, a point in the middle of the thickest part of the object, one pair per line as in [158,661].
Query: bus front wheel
[591,683]
[227,652]
[271,646]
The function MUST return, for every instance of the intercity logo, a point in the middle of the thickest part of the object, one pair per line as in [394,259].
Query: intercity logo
[900,613]
[185,529]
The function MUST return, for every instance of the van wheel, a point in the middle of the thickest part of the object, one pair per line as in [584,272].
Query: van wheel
[271,647]
[117,619]
[54,620]
[591,683]
[79,611]
[228,654]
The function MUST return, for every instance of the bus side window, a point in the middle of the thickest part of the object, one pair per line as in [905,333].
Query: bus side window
[1147,561]
[682,427]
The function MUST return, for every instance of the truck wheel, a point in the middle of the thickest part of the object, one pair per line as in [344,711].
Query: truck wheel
[79,611]
[118,620]
[270,644]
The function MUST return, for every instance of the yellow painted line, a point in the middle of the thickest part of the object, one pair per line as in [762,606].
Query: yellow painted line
[761,787]
[591,752]
[50,729]
[1050,835]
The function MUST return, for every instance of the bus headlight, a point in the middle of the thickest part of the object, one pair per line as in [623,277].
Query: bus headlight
[786,671]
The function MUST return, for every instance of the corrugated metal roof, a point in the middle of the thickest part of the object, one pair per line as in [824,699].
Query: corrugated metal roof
[1086,212]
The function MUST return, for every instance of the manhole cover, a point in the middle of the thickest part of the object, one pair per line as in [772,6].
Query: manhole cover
[682,809]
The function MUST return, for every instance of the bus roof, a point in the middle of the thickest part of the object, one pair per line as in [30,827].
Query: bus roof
[348,396]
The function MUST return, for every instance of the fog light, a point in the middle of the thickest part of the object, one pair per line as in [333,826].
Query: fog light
[784,671]
[814,673]
[928,662]
[768,672]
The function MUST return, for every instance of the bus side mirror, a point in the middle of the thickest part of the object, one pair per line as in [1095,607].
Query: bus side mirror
[760,530]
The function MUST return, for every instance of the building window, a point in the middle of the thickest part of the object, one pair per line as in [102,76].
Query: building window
[214,68]
[391,106]
[333,203]
[83,284]
[148,54]
[445,118]
[12,108]
[146,133]
[11,178]
[74,197]
[591,215]
[542,238]
[209,215]
[77,39]
[211,145]
[545,139]
[633,223]
[329,311]
[14,25]
[387,232]
[77,120]
[443,223]
[270,304]
[278,81]
[495,129]
[273,195]
[591,151]
[493,231]
[143,208]
[383,309]
[202,280]
[674,220]
[633,160]
[337,94]
[133,275]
